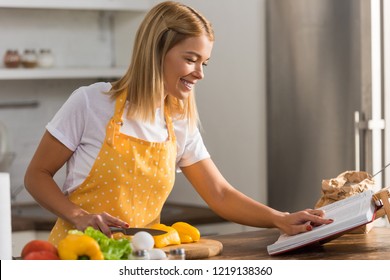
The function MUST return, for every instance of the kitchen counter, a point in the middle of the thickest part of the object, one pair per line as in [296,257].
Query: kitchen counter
[374,245]
[33,217]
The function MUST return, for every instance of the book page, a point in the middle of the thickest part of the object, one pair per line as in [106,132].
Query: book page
[347,214]
[342,210]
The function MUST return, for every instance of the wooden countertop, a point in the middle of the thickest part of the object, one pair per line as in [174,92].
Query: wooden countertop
[374,245]
[252,245]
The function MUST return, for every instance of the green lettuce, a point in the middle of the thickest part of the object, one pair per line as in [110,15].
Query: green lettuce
[112,249]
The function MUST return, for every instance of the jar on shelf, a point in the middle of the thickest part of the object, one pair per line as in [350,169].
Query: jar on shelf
[29,58]
[45,58]
[11,59]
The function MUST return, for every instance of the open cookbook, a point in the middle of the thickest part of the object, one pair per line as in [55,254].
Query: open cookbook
[347,214]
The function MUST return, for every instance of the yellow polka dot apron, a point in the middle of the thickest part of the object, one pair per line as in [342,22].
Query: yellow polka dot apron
[130,179]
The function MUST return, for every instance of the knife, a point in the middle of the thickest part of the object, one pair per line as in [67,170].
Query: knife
[380,171]
[132,231]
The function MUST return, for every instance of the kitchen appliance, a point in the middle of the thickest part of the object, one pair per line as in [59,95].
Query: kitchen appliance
[324,95]
[6,157]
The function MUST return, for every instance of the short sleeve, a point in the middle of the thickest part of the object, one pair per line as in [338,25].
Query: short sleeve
[192,149]
[68,124]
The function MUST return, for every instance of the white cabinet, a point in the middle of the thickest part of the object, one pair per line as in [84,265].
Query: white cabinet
[62,73]
[89,38]
[129,5]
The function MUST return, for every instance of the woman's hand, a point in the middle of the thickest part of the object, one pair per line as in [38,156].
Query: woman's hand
[100,222]
[301,221]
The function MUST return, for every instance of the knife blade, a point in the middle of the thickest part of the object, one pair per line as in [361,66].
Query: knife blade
[380,171]
[132,231]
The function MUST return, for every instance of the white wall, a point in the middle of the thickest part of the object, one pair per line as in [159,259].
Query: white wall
[231,99]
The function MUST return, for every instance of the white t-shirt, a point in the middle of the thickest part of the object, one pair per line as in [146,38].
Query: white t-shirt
[81,122]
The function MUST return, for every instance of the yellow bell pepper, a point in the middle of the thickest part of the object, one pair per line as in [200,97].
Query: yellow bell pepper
[170,238]
[79,246]
[187,232]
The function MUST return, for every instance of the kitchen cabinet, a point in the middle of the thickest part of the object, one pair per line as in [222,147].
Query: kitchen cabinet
[62,73]
[115,5]
[90,38]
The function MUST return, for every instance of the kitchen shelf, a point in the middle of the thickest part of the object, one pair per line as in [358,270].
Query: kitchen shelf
[107,28]
[61,73]
[113,5]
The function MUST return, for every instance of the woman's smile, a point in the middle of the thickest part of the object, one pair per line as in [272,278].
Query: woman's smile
[187,84]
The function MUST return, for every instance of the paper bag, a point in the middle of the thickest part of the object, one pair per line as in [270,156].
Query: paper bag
[345,185]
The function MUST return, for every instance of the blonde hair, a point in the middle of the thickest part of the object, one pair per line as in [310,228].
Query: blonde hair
[164,26]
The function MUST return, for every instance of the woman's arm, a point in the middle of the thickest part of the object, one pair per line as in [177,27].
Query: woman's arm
[49,157]
[233,205]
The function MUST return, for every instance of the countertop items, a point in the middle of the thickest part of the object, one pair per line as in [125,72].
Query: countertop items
[252,245]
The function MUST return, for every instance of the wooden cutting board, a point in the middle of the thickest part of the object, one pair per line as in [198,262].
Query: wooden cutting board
[204,248]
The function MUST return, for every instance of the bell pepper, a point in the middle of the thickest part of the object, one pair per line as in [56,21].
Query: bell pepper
[187,232]
[170,238]
[78,247]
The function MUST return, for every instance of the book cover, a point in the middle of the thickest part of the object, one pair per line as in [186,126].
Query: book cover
[347,214]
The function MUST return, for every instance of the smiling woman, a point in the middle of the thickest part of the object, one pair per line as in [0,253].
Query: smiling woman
[122,142]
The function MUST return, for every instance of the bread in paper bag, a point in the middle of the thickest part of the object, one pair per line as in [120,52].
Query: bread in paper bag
[345,185]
